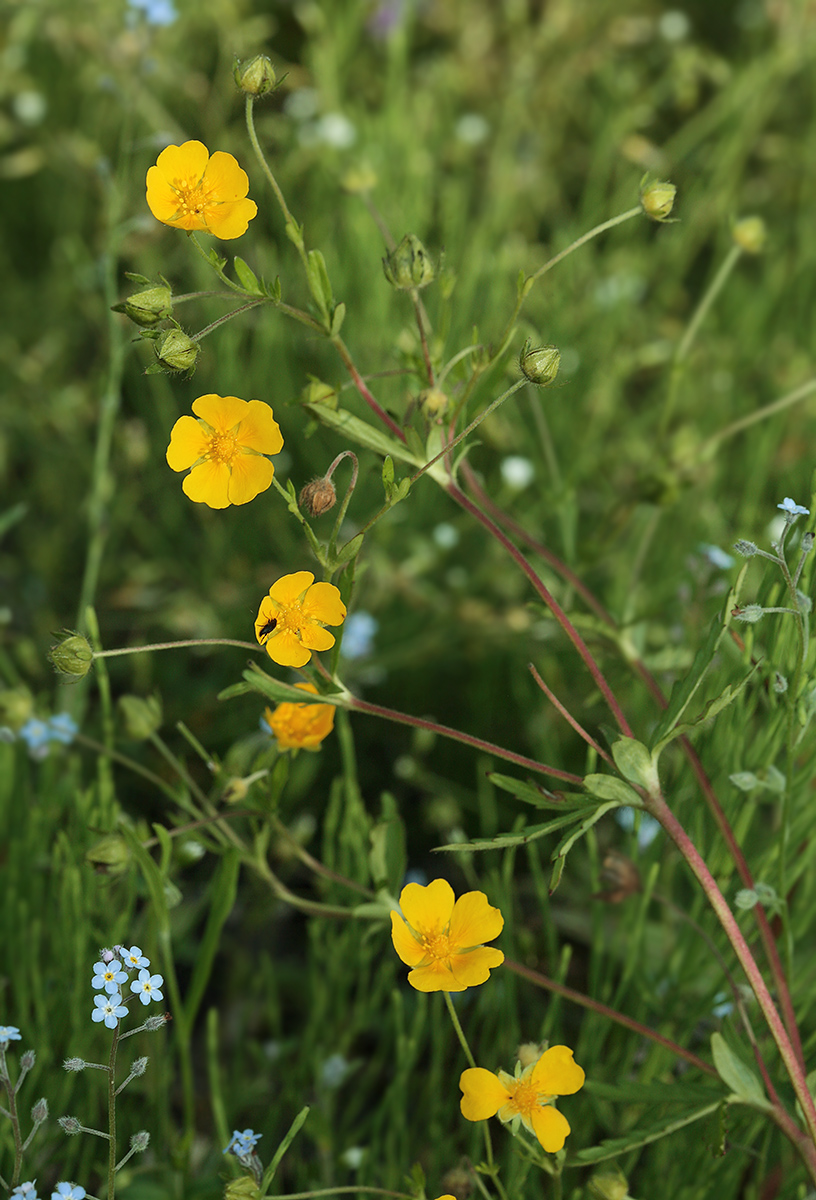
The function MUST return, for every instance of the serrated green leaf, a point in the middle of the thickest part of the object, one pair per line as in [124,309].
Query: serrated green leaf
[351,427]
[247,277]
[737,1075]
[613,1147]
[609,787]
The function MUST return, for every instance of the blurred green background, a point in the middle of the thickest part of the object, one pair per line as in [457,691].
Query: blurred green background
[497,133]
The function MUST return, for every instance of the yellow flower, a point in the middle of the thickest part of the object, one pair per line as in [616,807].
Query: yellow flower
[301,726]
[225,449]
[191,189]
[291,618]
[528,1097]
[442,940]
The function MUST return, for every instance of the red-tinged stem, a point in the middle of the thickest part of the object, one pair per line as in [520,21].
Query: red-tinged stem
[456,735]
[363,389]
[661,811]
[555,608]
[569,718]
[560,989]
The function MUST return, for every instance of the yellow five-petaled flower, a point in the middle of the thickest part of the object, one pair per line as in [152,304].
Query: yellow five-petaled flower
[528,1097]
[442,940]
[225,449]
[290,620]
[191,189]
[301,726]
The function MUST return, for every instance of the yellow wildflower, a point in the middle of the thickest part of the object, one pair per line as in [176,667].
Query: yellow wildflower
[225,450]
[442,940]
[191,189]
[291,618]
[301,726]
[528,1098]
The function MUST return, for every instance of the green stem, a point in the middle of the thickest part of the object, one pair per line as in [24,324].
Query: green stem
[176,646]
[291,224]
[681,353]
[463,1042]
[469,429]
[759,414]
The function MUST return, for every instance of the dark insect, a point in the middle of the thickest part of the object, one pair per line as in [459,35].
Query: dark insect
[265,630]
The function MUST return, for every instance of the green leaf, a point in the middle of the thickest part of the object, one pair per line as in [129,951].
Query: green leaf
[257,680]
[609,787]
[351,549]
[636,764]
[536,794]
[294,232]
[388,476]
[503,840]
[215,260]
[337,318]
[319,285]
[247,277]
[223,891]
[387,858]
[11,516]
[273,290]
[737,1075]
[612,1147]
[293,1131]
[561,851]
[726,697]
[351,427]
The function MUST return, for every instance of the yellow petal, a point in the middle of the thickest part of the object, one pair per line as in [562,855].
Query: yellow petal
[286,650]
[289,588]
[162,198]
[222,412]
[474,921]
[259,431]
[405,944]
[474,968]
[427,908]
[230,220]
[555,1073]
[251,475]
[435,977]
[483,1094]
[183,164]
[208,484]
[224,178]
[550,1127]
[266,613]
[315,637]
[188,443]
[323,603]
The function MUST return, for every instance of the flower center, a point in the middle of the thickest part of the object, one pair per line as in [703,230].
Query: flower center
[437,944]
[194,198]
[524,1097]
[223,448]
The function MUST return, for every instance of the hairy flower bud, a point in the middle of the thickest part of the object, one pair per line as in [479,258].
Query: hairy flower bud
[69,1125]
[72,656]
[139,1066]
[148,307]
[746,549]
[39,1112]
[177,353]
[152,1024]
[256,76]
[539,364]
[750,614]
[142,716]
[318,497]
[27,1059]
[244,1188]
[657,198]
[408,266]
[750,234]
[74,1064]
[608,1184]
[140,1141]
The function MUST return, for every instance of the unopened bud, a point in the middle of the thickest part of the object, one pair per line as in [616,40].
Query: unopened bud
[750,614]
[359,179]
[177,352]
[235,791]
[608,1184]
[657,198]
[152,1024]
[16,707]
[256,76]
[807,542]
[140,1066]
[529,1052]
[408,266]
[318,497]
[433,402]
[142,717]
[244,1188]
[140,1141]
[72,656]
[69,1125]
[74,1064]
[110,855]
[39,1112]
[27,1060]
[149,307]
[750,234]
[746,549]
[539,364]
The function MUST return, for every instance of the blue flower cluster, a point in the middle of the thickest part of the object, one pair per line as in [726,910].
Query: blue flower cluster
[63,1191]
[242,1144]
[38,734]
[111,972]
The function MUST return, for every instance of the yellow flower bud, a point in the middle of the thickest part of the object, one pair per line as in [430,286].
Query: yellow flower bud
[256,76]
[540,364]
[177,352]
[608,1184]
[433,402]
[16,706]
[750,233]
[110,855]
[148,307]
[657,198]
[72,656]
[408,267]
[142,717]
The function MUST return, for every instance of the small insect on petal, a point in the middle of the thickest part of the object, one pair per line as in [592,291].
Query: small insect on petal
[265,630]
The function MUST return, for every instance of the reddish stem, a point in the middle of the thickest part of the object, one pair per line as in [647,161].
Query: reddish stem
[570,719]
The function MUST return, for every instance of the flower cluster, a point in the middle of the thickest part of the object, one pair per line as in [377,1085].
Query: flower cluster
[39,734]
[111,972]
[243,1144]
[63,1191]
[300,726]
[441,939]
